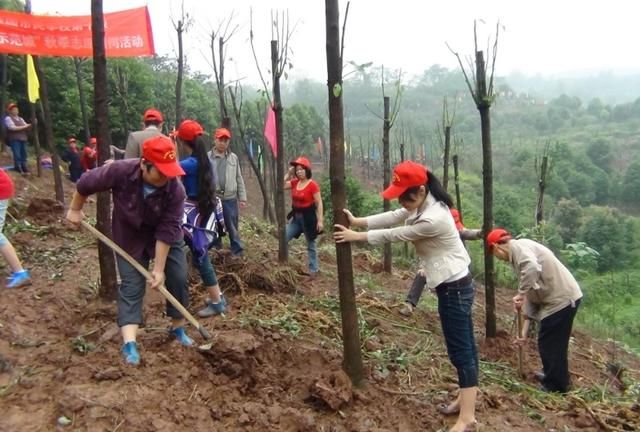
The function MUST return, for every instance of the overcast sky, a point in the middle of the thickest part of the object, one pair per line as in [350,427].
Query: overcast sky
[544,36]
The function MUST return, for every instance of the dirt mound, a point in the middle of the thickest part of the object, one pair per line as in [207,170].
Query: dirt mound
[45,210]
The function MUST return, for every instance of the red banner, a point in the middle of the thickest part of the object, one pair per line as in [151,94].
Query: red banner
[127,34]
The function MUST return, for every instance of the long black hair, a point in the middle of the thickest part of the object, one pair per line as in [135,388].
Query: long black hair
[206,186]
[433,186]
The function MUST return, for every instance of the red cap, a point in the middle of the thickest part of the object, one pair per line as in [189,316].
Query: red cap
[11,105]
[189,130]
[222,133]
[496,235]
[302,161]
[161,152]
[456,218]
[93,140]
[152,114]
[406,174]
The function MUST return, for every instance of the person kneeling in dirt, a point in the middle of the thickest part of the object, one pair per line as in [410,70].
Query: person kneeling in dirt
[148,202]
[549,294]
[200,222]
[420,280]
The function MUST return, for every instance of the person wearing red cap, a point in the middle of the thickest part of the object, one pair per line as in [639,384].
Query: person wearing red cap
[549,294]
[17,138]
[152,119]
[201,227]
[148,201]
[307,215]
[19,276]
[420,280]
[429,226]
[89,158]
[71,155]
[230,186]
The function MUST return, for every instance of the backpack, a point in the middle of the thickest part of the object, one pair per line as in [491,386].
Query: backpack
[199,236]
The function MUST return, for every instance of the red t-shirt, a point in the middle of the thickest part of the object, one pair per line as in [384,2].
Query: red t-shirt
[88,158]
[6,185]
[303,198]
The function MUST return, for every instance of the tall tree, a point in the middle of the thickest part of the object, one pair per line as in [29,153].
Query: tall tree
[543,167]
[108,282]
[483,96]
[350,332]
[180,27]
[77,63]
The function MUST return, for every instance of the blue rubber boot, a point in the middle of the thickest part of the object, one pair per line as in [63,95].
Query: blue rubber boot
[131,354]
[181,336]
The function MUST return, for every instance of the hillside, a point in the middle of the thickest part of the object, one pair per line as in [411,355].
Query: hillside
[275,363]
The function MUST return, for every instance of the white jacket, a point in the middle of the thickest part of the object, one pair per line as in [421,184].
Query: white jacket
[432,231]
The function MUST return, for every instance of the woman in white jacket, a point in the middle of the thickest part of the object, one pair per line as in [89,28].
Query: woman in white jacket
[429,226]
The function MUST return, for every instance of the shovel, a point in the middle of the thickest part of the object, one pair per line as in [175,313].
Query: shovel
[163,290]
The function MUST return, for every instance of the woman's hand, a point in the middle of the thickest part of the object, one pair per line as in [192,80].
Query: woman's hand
[319,227]
[520,341]
[75,217]
[518,301]
[344,234]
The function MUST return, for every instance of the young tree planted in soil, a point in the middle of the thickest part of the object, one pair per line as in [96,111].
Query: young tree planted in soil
[543,168]
[350,331]
[108,282]
[447,125]
[483,96]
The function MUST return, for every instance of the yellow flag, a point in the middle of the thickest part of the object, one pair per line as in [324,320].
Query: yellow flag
[32,80]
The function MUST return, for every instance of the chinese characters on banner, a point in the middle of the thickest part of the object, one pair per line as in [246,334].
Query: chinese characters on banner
[127,34]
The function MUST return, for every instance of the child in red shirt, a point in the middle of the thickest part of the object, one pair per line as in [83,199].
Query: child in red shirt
[306,215]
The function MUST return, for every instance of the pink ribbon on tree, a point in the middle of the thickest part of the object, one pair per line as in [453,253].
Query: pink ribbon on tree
[270,130]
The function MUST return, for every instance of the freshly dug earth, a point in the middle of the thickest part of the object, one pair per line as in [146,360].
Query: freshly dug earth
[276,360]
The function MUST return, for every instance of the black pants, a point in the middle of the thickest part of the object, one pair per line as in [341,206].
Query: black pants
[553,345]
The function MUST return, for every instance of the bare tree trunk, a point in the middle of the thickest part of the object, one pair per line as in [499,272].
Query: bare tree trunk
[36,137]
[386,205]
[456,182]
[350,333]
[255,167]
[108,281]
[484,106]
[83,100]
[123,93]
[179,31]
[447,150]
[4,63]
[542,184]
[48,127]
[277,102]
[226,120]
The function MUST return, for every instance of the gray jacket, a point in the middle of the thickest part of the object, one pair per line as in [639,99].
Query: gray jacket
[432,231]
[136,139]
[543,279]
[234,183]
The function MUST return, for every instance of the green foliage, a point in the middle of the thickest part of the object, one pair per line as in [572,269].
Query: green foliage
[579,256]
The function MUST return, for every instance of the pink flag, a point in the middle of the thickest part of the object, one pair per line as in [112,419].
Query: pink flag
[270,131]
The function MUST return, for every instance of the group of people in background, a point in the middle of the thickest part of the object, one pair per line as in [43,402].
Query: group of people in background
[162,198]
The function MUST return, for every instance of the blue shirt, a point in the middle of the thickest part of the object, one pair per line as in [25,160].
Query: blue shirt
[190,178]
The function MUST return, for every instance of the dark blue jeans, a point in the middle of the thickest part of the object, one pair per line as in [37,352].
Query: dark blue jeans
[455,303]
[19,150]
[231,221]
[207,272]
